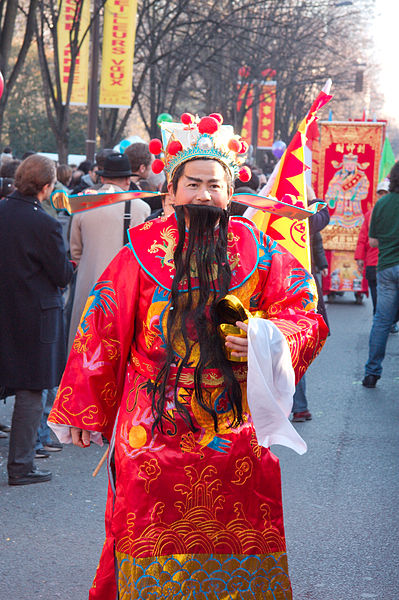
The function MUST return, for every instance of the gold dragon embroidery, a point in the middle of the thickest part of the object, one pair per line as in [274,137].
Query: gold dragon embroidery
[168,247]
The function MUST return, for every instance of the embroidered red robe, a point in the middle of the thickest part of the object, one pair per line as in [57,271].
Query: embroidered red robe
[190,515]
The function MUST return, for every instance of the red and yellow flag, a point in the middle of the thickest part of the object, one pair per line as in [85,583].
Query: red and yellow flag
[290,179]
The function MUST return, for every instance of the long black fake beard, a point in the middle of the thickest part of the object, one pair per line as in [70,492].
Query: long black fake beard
[206,255]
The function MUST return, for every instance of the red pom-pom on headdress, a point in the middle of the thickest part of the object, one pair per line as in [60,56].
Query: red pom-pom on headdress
[244,174]
[174,147]
[187,119]
[234,145]
[208,125]
[218,117]
[155,146]
[244,148]
[157,166]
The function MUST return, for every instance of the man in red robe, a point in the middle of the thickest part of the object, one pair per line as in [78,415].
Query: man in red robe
[194,505]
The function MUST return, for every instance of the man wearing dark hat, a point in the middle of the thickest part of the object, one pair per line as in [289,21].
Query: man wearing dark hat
[97,235]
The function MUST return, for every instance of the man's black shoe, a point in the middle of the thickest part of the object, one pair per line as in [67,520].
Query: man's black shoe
[35,476]
[370,380]
[41,453]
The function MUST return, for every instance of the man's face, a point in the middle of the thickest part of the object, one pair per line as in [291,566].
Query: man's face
[48,189]
[94,174]
[146,170]
[203,182]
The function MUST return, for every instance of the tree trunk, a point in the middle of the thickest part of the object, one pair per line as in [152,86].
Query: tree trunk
[6,36]
[63,150]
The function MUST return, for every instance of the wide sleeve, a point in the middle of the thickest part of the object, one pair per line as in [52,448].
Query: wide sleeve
[287,294]
[91,387]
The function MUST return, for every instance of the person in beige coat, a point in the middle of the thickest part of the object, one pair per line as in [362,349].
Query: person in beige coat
[97,235]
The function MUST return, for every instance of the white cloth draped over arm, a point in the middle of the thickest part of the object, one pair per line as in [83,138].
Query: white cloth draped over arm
[271,386]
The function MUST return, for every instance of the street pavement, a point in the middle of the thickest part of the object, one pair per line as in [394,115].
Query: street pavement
[340,498]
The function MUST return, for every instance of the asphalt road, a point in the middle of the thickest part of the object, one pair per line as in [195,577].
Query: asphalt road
[340,499]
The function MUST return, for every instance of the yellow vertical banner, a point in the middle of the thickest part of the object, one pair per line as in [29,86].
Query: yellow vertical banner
[118,53]
[68,13]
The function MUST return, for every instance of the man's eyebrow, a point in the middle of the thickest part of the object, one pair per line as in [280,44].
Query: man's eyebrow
[199,180]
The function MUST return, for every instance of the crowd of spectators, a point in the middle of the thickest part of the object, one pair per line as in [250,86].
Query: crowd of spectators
[80,248]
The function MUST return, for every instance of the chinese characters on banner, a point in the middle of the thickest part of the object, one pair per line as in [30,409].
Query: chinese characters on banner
[118,53]
[68,11]
[267,105]
[246,93]
[347,178]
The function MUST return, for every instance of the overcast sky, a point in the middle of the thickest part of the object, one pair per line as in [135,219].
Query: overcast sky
[387,46]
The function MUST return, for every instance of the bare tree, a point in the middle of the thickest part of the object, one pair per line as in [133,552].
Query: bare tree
[187,59]
[160,27]
[57,107]
[10,11]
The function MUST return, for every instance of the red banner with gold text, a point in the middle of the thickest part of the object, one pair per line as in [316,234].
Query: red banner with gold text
[267,107]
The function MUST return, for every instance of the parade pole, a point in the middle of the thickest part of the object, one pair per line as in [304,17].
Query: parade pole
[255,120]
[93,87]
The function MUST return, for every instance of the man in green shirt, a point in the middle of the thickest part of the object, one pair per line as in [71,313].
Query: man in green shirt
[384,234]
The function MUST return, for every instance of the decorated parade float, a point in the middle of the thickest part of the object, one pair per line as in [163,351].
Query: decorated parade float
[346,172]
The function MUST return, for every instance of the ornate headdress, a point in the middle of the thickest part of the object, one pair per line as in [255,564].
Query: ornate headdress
[196,138]
[199,138]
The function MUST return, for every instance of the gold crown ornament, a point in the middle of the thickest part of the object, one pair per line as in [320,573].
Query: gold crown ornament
[199,138]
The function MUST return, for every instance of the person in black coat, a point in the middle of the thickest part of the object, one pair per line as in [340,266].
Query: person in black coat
[33,268]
